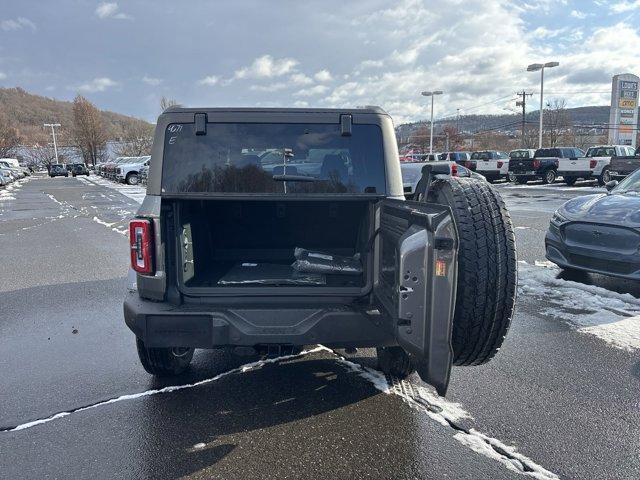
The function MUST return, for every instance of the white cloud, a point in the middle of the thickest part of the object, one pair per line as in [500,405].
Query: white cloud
[274,87]
[546,33]
[578,14]
[111,10]
[154,82]
[300,104]
[624,6]
[267,67]
[300,79]
[323,76]
[3,75]
[17,24]
[371,64]
[313,91]
[209,80]
[98,85]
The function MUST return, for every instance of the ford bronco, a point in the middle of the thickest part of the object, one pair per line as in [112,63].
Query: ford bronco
[264,230]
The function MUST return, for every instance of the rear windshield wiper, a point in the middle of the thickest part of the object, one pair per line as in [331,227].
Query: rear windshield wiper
[295,178]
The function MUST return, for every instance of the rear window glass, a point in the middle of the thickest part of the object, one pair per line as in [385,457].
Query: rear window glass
[411,173]
[481,156]
[273,158]
[519,154]
[548,152]
[601,152]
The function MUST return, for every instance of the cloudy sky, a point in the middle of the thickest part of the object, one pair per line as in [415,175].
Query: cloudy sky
[126,55]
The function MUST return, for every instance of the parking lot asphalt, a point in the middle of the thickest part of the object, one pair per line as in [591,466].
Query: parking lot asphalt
[559,400]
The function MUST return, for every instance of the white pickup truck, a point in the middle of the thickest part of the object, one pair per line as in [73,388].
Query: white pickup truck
[594,164]
[129,172]
[493,165]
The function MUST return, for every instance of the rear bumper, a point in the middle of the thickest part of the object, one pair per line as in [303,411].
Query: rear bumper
[590,259]
[491,173]
[202,326]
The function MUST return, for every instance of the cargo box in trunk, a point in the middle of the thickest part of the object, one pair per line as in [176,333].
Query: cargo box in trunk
[228,244]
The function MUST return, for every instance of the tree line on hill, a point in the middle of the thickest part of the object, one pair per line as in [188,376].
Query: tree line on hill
[85,130]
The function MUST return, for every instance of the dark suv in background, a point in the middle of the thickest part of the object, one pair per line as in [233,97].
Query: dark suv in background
[79,169]
[545,164]
[58,170]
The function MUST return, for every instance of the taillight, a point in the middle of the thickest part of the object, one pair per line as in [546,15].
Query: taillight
[593,163]
[454,169]
[141,243]
[500,164]
[536,164]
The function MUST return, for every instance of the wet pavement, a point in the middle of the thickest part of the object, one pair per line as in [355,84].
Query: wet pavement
[556,400]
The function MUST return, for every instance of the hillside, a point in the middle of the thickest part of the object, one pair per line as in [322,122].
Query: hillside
[28,112]
[511,121]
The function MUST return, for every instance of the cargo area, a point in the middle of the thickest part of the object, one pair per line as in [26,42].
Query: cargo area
[225,243]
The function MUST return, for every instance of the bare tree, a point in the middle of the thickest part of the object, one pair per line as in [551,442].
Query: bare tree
[40,156]
[556,122]
[420,137]
[136,139]
[89,132]
[9,137]
[167,102]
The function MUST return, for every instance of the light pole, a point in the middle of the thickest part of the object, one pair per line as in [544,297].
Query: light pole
[431,94]
[53,132]
[534,67]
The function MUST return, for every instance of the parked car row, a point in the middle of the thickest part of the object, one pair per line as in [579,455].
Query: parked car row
[11,170]
[602,163]
[123,169]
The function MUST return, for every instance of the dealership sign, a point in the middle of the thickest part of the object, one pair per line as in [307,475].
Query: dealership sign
[623,119]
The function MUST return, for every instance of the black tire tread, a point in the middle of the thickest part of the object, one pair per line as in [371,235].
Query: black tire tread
[394,362]
[487,268]
[161,361]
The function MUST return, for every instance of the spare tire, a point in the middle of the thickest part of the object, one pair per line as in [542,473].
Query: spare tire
[487,271]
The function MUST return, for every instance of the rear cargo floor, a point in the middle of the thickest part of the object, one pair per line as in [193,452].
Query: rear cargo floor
[251,243]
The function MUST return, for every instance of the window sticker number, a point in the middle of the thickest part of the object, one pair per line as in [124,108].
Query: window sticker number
[175,128]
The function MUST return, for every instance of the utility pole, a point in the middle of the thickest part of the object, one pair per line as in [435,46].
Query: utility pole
[53,132]
[523,103]
[458,121]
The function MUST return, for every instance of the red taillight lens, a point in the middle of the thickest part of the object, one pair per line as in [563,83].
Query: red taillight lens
[536,164]
[500,164]
[454,169]
[593,163]
[141,243]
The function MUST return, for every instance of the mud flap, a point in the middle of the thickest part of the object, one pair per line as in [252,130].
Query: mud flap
[417,281]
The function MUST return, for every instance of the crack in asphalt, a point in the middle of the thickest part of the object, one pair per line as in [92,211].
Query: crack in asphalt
[171,388]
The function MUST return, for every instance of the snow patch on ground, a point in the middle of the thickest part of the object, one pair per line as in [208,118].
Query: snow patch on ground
[448,414]
[8,192]
[134,192]
[102,222]
[492,448]
[121,231]
[55,199]
[560,187]
[613,317]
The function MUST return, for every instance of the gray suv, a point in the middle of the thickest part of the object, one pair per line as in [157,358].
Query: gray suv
[264,230]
